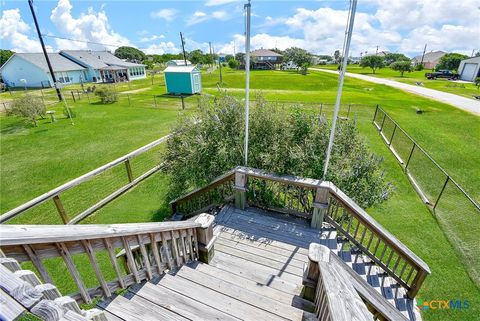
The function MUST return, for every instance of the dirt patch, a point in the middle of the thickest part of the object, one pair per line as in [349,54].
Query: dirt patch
[135,91]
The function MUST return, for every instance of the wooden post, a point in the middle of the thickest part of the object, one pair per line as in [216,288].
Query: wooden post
[205,237]
[417,283]
[129,103]
[183,102]
[73,95]
[60,209]
[88,97]
[240,190]
[316,253]
[155,99]
[320,206]
[129,170]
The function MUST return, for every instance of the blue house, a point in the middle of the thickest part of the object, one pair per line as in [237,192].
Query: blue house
[31,70]
[183,80]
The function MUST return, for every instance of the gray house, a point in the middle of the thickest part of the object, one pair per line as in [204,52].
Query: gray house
[430,60]
[469,69]
[265,59]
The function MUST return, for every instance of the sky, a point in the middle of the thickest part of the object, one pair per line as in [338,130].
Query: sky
[318,26]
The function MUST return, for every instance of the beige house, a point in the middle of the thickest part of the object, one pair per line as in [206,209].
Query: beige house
[430,60]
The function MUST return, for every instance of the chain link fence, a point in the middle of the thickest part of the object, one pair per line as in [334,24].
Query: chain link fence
[457,212]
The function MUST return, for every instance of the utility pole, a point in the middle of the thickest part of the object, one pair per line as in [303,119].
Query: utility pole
[348,35]
[210,45]
[423,55]
[183,49]
[234,53]
[59,94]
[376,52]
[247,7]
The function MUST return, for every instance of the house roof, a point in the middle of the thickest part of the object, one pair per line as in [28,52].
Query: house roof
[97,59]
[189,68]
[265,53]
[58,62]
[179,62]
[431,56]
[472,60]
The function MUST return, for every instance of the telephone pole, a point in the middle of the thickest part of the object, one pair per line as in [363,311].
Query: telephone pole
[59,94]
[423,55]
[183,49]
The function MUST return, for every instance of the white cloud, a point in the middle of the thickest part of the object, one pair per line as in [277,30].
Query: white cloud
[167,14]
[90,26]
[14,31]
[210,3]
[197,17]
[151,38]
[161,48]
[220,15]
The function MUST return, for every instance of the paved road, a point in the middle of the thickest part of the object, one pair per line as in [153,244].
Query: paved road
[467,104]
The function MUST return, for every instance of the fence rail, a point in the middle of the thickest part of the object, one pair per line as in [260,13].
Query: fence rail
[317,201]
[139,165]
[457,211]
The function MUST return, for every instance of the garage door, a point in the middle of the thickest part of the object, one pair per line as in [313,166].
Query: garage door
[468,72]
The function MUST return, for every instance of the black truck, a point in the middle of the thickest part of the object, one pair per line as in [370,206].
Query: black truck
[442,74]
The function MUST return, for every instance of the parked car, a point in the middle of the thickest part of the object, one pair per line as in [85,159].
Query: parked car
[442,74]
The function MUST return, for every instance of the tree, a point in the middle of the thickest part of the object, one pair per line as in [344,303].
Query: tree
[299,56]
[4,55]
[28,106]
[240,57]
[336,56]
[229,57]
[402,66]
[374,62]
[232,63]
[283,140]
[196,57]
[390,58]
[130,54]
[450,61]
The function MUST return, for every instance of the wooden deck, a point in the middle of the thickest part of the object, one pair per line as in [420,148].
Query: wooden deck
[256,274]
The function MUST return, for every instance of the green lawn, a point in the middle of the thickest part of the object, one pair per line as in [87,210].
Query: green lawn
[462,89]
[34,160]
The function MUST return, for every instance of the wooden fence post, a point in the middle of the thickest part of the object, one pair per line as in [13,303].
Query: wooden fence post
[205,237]
[60,209]
[316,253]
[73,95]
[240,190]
[320,206]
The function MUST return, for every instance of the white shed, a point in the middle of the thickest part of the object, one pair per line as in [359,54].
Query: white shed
[469,69]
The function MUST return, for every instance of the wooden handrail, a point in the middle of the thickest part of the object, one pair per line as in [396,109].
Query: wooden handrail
[81,179]
[414,267]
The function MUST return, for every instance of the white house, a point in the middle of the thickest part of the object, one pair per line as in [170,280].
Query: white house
[33,68]
[469,69]
[102,66]
[178,62]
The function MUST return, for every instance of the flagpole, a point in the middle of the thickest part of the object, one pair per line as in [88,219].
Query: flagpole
[247,74]
[351,19]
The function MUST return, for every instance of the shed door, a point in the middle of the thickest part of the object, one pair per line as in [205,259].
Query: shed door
[468,72]
[196,83]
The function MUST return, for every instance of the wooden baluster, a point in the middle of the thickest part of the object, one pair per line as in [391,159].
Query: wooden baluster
[370,242]
[190,246]
[67,258]
[130,260]
[175,250]
[389,259]
[93,261]
[113,260]
[37,262]
[363,234]
[146,261]
[403,270]
[196,242]
[409,274]
[168,253]
[356,230]
[395,266]
[376,247]
[183,234]
[385,247]
[156,253]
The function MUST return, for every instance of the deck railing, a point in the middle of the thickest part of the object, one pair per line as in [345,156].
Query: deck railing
[82,196]
[318,202]
[161,246]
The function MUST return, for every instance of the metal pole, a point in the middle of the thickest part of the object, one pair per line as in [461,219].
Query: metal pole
[441,193]
[340,85]
[375,115]
[30,3]
[247,73]
[393,133]
[410,156]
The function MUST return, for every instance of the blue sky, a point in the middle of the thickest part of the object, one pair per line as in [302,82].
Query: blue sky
[318,26]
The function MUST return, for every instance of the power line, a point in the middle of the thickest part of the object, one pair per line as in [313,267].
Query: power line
[84,41]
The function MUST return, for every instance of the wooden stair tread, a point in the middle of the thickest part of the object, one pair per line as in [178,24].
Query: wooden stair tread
[241,293]
[180,304]
[215,299]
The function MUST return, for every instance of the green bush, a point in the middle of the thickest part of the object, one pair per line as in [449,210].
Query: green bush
[28,106]
[232,63]
[419,67]
[211,141]
[107,94]
[477,82]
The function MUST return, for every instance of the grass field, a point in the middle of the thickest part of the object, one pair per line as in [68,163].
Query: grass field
[51,154]
[462,89]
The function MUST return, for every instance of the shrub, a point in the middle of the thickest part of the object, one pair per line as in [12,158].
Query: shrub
[402,66]
[419,67]
[477,82]
[107,94]
[210,142]
[232,63]
[29,107]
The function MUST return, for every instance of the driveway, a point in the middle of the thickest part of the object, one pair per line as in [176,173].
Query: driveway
[467,104]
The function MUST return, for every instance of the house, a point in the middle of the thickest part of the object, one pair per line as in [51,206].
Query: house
[469,69]
[265,59]
[183,80]
[31,70]
[103,66]
[178,62]
[430,60]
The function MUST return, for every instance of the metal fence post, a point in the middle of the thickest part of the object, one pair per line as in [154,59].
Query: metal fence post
[383,121]
[375,115]
[129,104]
[348,112]
[183,102]
[321,107]
[410,156]
[441,192]
[73,96]
[155,99]
[393,133]
[129,170]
